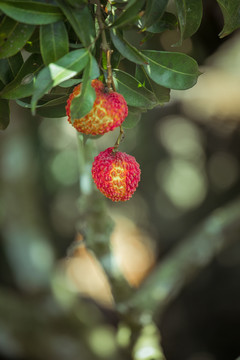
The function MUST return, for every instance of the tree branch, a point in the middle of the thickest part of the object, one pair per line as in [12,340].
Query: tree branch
[187,259]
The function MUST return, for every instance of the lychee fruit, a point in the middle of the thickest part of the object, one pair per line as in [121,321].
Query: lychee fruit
[108,112]
[116,174]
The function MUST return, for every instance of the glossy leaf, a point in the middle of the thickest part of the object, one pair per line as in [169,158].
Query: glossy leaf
[130,14]
[30,12]
[15,63]
[167,22]
[115,58]
[70,83]
[50,106]
[134,116]
[33,44]
[76,3]
[47,100]
[4,114]
[55,111]
[189,15]
[126,49]
[231,15]
[171,69]
[81,21]
[83,103]
[22,85]
[154,10]
[55,73]
[54,108]
[132,90]
[161,93]
[53,41]
[9,68]
[5,73]
[13,36]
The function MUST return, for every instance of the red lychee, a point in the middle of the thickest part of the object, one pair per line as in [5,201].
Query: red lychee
[109,111]
[116,174]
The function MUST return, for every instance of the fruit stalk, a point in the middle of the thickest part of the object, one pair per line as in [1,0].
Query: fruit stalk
[119,139]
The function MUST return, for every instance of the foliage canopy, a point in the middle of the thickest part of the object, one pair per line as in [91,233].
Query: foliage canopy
[47,47]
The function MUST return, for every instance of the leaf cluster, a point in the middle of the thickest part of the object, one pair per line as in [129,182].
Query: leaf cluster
[47,47]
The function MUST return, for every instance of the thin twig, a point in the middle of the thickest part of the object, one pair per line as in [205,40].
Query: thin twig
[105,47]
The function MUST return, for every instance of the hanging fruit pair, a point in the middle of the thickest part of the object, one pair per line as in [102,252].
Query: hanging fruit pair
[115,174]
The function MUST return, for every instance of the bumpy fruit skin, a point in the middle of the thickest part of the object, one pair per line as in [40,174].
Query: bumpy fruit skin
[116,175]
[109,111]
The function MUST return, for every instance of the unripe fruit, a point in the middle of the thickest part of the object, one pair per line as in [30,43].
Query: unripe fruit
[116,174]
[109,111]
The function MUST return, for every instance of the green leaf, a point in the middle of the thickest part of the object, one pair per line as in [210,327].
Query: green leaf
[4,114]
[189,15]
[130,15]
[54,108]
[15,63]
[70,83]
[126,49]
[133,92]
[81,21]
[30,12]
[53,41]
[154,10]
[22,85]
[55,73]
[134,115]
[5,72]
[83,103]
[50,106]
[167,22]
[171,69]
[76,3]
[9,68]
[231,15]
[56,111]
[13,36]
[115,58]
[161,93]
[62,99]
[47,100]
[33,44]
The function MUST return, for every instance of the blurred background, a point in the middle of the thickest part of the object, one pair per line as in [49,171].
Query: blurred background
[189,155]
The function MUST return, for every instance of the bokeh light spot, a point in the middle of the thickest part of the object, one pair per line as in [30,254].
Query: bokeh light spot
[183,182]
[64,167]
[180,137]
[102,341]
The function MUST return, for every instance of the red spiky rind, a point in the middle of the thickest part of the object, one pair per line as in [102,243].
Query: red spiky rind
[116,175]
[108,112]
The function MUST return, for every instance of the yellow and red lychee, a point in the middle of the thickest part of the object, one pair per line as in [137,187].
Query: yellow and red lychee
[116,174]
[108,112]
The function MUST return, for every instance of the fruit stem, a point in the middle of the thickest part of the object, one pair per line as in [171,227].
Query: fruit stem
[119,139]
